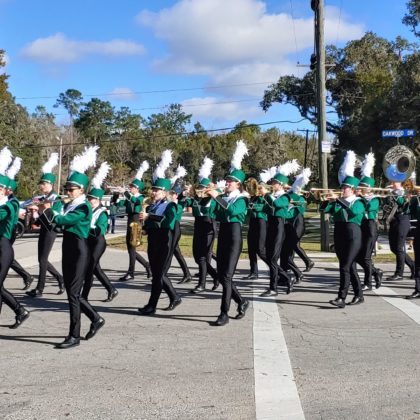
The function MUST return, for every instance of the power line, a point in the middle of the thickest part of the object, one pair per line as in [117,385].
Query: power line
[146,92]
[294,32]
[33,146]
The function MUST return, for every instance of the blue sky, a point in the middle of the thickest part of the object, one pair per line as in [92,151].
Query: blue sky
[213,56]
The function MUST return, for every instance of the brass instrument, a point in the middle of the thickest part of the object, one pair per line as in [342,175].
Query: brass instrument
[322,194]
[399,163]
[136,232]
[203,192]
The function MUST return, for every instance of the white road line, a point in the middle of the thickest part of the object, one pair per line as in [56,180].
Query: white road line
[276,395]
[405,306]
[409,308]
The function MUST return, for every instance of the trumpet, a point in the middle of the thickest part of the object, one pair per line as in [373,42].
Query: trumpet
[203,192]
[324,194]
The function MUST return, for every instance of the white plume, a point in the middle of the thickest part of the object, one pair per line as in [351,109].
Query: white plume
[347,167]
[14,168]
[267,174]
[205,168]
[301,180]
[221,184]
[240,151]
[100,176]
[81,163]
[368,165]
[5,159]
[165,161]
[180,173]
[142,169]
[51,163]
[289,168]
[413,177]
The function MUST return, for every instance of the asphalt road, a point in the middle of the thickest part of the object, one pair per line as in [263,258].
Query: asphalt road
[291,357]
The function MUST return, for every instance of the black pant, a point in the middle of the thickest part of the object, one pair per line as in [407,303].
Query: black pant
[364,259]
[229,247]
[6,258]
[133,255]
[16,267]
[398,231]
[177,251]
[160,251]
[299,224]
[75,259]
[257,233]
[416,247]
[347,243]
[273,246]
[204,235]
[291,239]
[45,244]
[96,246]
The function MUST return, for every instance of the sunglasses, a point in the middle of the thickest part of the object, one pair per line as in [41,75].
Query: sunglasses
[71,189]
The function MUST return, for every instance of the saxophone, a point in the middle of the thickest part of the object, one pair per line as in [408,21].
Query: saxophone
[136,232]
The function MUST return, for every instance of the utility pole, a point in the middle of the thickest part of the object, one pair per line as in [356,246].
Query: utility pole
[318,8]
[60,155]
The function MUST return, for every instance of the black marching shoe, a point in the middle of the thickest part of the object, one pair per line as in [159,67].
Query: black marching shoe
[216,284]
[251,276]
[378,278]
[221,320]
[34,293]
[357,300]
[111,295]
[198,289]
[340,303]
[269,292]
[309,267]
[290,283]
[185,279]
[27,282]
[94,328]
[242,308]
[148,271]
[395,277]
[173,304]
[366,287]
[20,318]
[147,310]
[61,290]
[126,277]
[414,295]
[68,343]
[299,279]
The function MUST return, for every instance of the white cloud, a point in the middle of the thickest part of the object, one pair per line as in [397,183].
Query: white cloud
[123,93]
[236,39]
[58,48]
[212,108]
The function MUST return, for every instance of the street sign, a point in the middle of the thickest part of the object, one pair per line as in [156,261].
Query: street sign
[326,147]
[406,132]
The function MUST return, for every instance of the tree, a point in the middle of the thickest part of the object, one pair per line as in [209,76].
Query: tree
[4,93]
[412,18]
[71,100]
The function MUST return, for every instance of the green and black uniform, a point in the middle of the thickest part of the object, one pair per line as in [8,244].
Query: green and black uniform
[8,219]
[160,226]
[133,205]
[347,215]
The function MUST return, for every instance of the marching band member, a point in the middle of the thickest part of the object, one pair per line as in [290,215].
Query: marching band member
[231,211]
[369,224]
[398,230]
[415,215]
[173,196]
[295,224]
[96,240]
[133,203]
[347,212]
[75,219]
[203,210]
[277,204]
[159,223]
[8,219]
[257,227]
[48,200]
